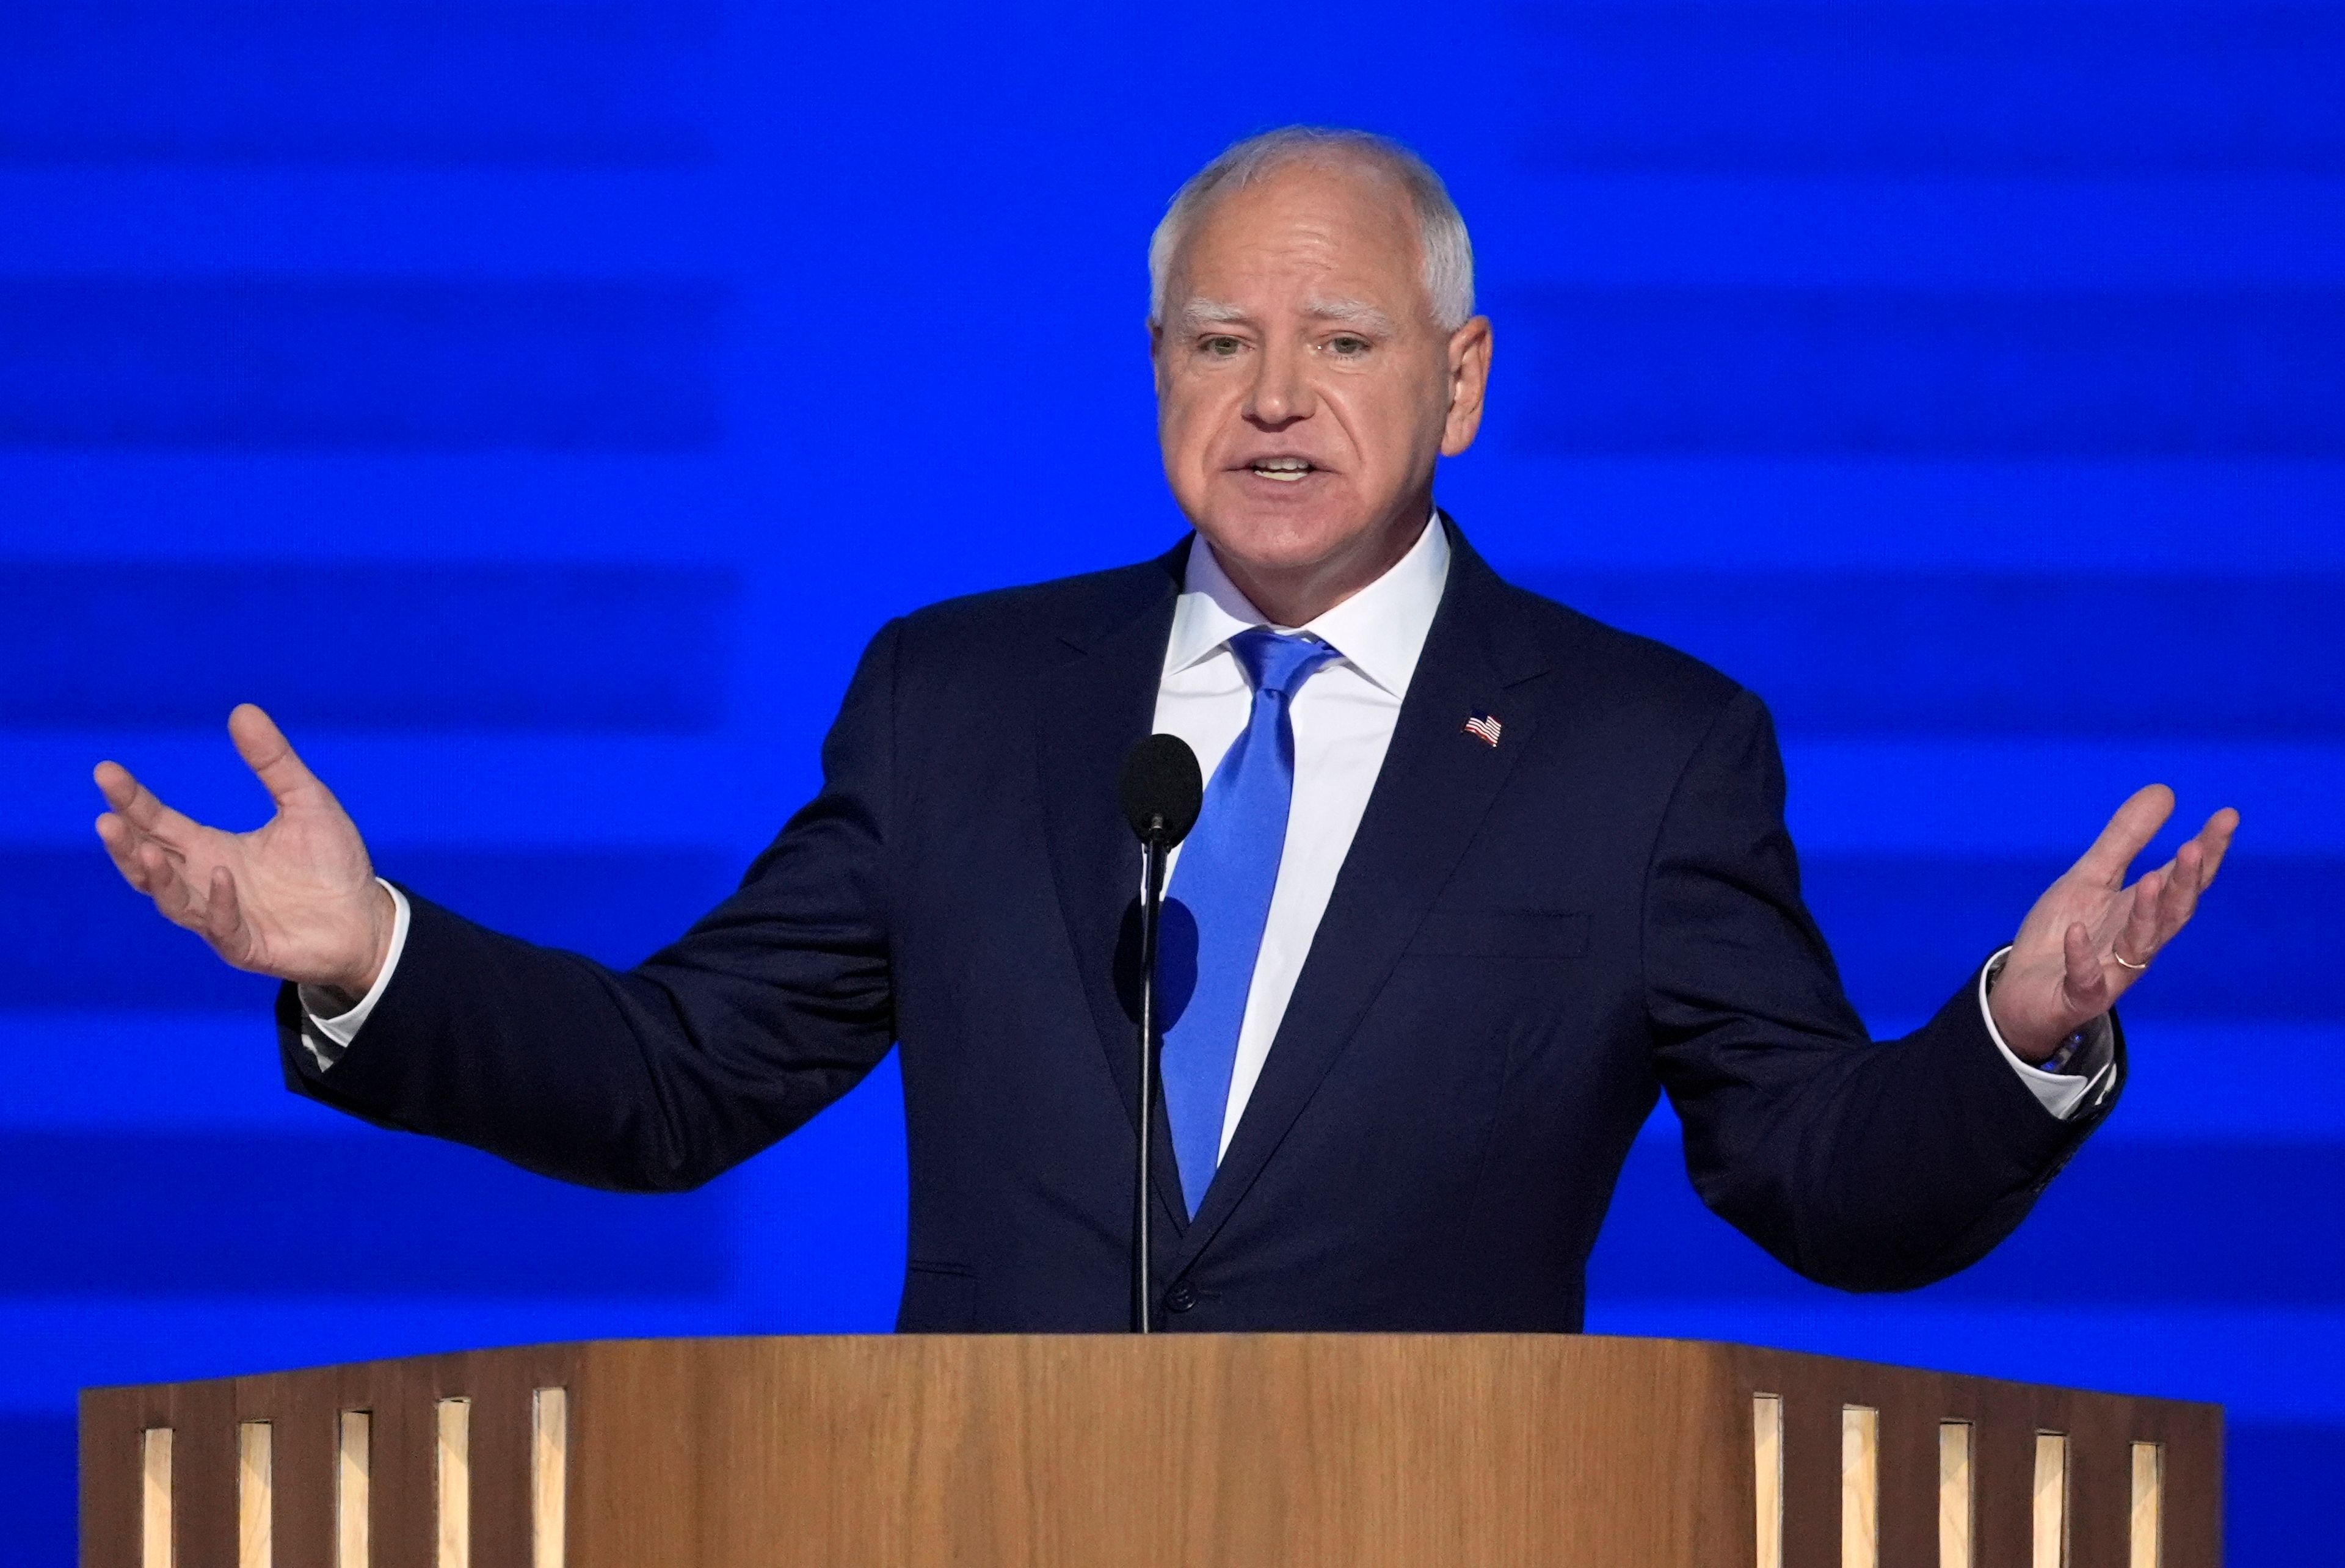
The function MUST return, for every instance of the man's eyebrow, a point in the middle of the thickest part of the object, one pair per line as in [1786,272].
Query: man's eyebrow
[1351,312]
[1207,312]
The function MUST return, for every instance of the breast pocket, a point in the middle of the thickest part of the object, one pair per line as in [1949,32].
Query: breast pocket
[1501,933]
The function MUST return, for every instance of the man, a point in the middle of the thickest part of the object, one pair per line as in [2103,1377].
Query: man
[1476,879]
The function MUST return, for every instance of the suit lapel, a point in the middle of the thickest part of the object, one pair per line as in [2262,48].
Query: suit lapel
[1097,702]
[1436,783]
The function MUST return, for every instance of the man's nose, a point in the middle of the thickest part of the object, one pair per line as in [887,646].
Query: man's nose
[1282,392]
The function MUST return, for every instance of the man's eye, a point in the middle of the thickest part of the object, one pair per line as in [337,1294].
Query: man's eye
[1221,347]
[1348,346]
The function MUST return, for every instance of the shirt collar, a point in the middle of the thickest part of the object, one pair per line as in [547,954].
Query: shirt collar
[1380,630]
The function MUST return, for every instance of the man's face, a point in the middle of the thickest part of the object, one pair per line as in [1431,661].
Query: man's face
[1303,390]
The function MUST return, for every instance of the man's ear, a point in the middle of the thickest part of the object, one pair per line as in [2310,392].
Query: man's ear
[1469,379]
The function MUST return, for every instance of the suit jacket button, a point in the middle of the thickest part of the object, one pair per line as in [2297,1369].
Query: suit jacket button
[1182,1296]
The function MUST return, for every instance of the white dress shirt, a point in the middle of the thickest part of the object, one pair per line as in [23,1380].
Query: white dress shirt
[1344,716]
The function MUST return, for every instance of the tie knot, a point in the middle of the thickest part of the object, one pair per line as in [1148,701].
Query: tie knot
[1274,663]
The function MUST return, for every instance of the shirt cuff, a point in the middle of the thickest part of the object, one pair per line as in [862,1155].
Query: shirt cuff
[2088,1065]
[328,1037]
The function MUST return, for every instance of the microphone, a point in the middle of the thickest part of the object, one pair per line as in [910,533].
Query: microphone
[1164,790]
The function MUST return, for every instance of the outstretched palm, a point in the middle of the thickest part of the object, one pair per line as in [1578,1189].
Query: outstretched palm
[296,898]
[2090,937]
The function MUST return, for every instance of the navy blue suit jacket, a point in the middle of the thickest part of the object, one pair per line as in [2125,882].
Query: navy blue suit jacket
[1527,945]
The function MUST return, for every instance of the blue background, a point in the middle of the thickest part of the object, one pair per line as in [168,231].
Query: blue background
[536,405]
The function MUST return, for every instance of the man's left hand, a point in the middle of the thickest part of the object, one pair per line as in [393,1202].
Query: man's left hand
[2090,937]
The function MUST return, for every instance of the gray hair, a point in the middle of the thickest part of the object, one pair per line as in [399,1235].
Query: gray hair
[1440,231]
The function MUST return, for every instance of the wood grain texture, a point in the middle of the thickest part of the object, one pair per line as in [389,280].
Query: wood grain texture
[549,1477]
[1767,1476]
[2049,1542]
[155,1497]
[2146,1531]
[1954,1495]
[1357,1451]
[451,1484]
[256,1501]
[353,1469]
[1860,1487]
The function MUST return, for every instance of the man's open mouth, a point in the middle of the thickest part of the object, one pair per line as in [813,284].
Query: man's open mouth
[1287,471]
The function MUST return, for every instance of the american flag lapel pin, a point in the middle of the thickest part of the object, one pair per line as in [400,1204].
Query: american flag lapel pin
[1483,725]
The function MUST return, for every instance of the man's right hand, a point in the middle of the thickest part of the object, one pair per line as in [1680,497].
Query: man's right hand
[296,898]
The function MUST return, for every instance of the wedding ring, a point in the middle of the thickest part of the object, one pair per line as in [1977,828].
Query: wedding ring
[2126,962]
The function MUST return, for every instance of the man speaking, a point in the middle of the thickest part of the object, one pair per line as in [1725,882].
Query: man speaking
[1475,880]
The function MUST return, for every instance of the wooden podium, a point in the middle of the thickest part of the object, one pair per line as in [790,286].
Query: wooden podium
[1187,1452]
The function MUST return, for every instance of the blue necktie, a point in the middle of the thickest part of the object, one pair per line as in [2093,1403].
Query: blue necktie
[1227,870]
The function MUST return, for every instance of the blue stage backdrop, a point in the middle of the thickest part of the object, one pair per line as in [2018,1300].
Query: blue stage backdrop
[537,404]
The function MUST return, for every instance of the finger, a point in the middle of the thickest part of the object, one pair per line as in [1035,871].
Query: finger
[2135,824]
[224,925]
[2178,899]
[2085,985]
[2193,864]
[2138,943]
[136,804]
[166,884]
[271,757]
[2188,866]
[2216,839]
[122,841]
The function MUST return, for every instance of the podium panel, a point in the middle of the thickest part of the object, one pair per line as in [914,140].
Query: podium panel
[1183,1452]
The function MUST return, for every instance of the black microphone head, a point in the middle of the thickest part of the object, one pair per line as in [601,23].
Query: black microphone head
[1163,789]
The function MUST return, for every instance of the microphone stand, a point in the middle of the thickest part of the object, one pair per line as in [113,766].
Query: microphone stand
[1152,848]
